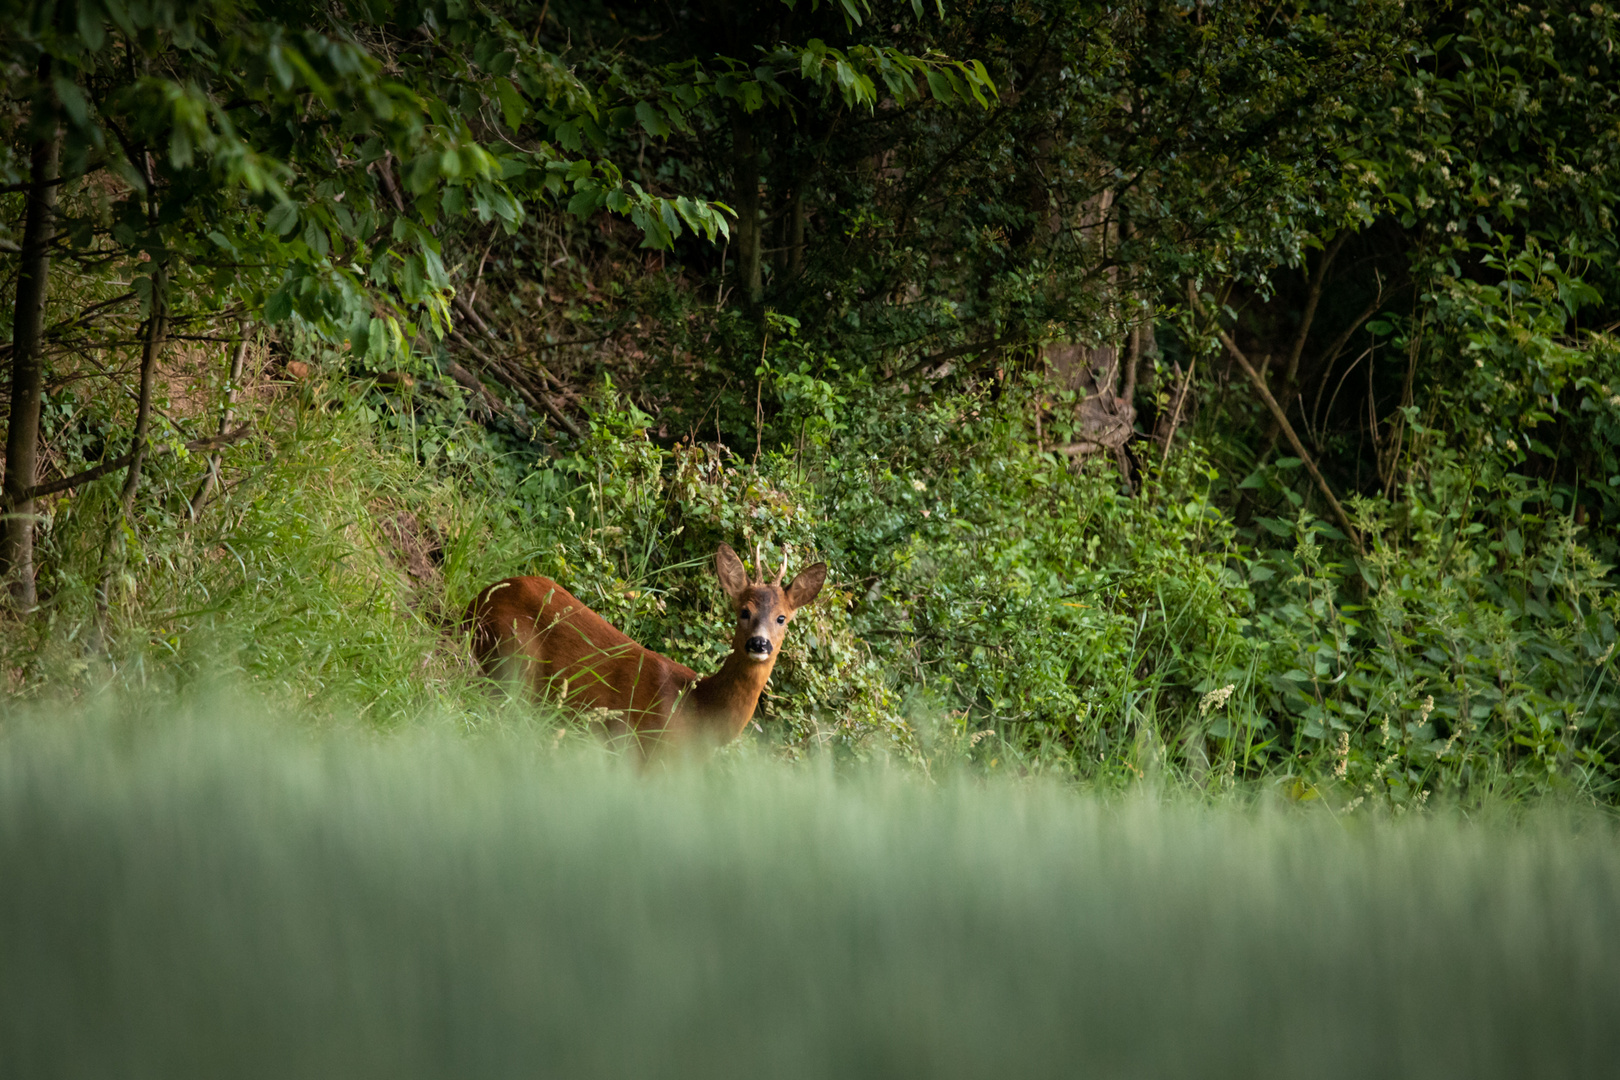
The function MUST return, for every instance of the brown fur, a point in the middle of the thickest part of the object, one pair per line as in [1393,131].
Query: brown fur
[532,631]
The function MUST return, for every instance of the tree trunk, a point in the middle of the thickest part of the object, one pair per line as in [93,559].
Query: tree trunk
[796,234]
[27,358]
[155,330]
[212,476]
[745,182]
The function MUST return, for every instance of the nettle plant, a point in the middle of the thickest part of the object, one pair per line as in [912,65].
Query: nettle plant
[1456,657]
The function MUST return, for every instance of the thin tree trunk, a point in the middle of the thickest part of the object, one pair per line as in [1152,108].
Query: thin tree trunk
[1399,439]
[1133,357]
[1184,385]
[212,476]
[28,359]
[796,234]
[745,182]
[1313,297]
[155,330]
[1133,344]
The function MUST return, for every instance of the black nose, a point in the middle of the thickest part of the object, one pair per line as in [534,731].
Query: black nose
[759,645]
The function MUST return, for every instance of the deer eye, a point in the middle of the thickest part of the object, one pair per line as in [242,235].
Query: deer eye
[744,615]
[781,619]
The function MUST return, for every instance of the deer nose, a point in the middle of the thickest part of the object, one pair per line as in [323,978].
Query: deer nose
[759,646]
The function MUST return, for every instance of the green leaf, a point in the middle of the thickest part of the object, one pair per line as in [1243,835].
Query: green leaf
[92,27]
[652,121]
[359,335]
[586,201]
[513,107]
[423,172]
[277,306]
[72,99]
[282,218]
[315,238]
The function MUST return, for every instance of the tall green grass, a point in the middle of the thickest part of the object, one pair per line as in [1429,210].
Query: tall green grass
[202,891]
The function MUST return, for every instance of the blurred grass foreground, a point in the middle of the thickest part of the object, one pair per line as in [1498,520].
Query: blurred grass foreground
[223,895]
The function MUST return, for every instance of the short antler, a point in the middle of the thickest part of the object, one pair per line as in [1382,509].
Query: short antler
[759,563]
[782,572]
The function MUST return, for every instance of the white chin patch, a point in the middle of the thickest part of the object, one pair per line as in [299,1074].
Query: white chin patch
[761,656]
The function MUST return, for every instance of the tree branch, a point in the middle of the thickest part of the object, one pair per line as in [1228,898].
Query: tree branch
[209,444]
[954,351]
[385,176]
[1281,417]
[1312,299]
[25,185]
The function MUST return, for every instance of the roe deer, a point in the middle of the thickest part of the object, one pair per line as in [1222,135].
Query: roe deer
[532,630]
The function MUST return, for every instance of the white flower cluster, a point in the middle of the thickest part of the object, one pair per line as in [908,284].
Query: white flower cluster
[1215,699]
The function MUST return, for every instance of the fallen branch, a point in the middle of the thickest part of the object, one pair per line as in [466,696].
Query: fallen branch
[475,386]
[385,176]
[90,167]
[461,304]
[537,401]
[1175,415]
[1281,417]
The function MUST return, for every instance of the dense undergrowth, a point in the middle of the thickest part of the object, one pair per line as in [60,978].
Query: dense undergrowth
[991,604]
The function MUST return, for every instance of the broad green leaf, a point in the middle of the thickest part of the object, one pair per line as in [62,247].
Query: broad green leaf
[277,306]
[513,107]
[652,121]
[72,99]
[282,218]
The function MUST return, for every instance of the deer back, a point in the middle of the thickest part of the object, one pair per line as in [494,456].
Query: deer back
[531,631]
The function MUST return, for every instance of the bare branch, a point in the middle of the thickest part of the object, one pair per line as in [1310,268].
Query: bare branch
[971,348]
[209,444]
[1312,299]
[1281,417]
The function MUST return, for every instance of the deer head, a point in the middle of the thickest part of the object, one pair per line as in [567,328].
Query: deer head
[764,610]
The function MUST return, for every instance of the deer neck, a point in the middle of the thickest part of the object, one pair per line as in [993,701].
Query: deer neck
[724,702]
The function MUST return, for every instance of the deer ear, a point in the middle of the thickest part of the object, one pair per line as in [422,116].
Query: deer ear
[805,587]
[733,579]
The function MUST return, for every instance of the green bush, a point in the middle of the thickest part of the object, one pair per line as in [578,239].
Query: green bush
[991,605]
